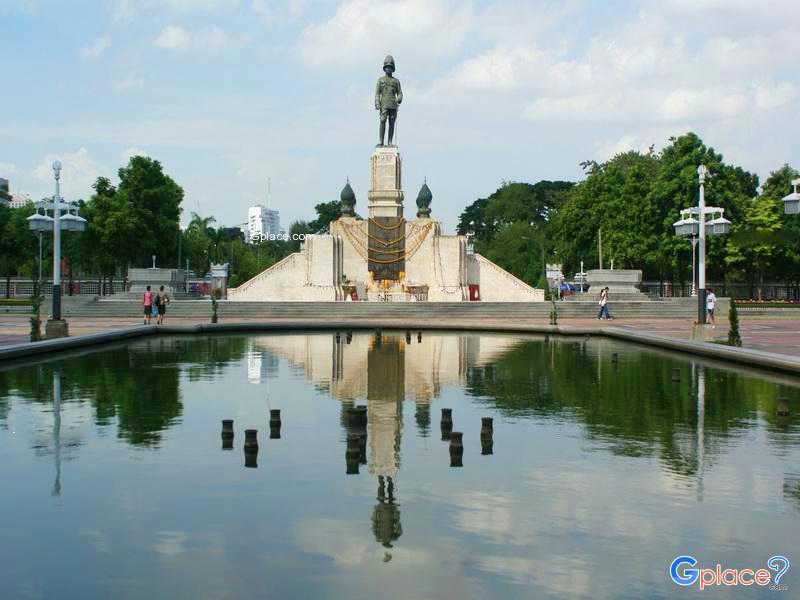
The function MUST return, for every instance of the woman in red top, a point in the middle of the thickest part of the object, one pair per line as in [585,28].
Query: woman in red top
[148,305]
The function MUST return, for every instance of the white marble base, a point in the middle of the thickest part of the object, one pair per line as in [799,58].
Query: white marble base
[386,186]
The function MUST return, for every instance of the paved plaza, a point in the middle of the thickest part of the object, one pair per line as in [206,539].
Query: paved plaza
[781,336]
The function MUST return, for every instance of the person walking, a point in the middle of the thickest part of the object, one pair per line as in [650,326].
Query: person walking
[604,305]
[162,299]
[711,306]
[148,305]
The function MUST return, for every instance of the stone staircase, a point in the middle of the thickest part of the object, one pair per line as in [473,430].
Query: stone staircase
[231,310]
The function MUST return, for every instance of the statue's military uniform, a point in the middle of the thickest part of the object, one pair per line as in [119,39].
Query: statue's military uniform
[388,96]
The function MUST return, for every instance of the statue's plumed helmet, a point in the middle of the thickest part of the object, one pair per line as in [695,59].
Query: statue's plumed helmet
[389,62]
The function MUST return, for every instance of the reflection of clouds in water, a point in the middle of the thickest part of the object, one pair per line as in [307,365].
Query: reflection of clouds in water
[342,541]
[563,576]
[494,517]
[433,571]
[171,543]
[97,538]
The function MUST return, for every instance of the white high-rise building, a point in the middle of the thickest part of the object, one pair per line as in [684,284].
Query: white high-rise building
[262,221]
[4,191]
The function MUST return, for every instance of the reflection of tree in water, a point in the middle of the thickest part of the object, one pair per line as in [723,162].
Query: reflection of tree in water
[422,416]
[632,407]
[137,384]
[386,516]
[791,488]
[209,356]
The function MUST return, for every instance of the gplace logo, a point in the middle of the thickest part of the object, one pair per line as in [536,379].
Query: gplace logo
[709,577]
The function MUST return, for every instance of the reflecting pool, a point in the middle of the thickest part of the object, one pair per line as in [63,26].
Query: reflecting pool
[603,462]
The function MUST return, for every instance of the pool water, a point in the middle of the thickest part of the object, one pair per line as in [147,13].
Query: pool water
[605,462]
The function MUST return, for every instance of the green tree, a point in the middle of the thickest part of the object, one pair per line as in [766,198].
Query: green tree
[18,244]
[786,261]
[326,212]
[198,243]
[98,242]
[512,227]
[146,213]
[676,187]
[613,198]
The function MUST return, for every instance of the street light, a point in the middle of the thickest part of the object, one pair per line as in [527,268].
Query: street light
[791,203]
[42,222]
[693,223]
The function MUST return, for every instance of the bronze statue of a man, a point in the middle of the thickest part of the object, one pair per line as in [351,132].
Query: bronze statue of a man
[388,96]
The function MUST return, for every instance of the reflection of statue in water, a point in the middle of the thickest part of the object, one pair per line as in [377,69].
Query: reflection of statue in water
[386,516]
[388,96]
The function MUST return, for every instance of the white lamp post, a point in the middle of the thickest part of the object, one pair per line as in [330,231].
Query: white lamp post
[791,203]
[694,271]
[40,223]
[701,260]
[688,225]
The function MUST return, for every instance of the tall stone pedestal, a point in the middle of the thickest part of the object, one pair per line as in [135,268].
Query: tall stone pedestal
[702,333]
[386,190]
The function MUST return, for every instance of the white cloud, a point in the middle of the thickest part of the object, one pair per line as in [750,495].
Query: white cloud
[96,48]
[7,169]
[129,82]
[173,37]
[78,172]
[213,39]
[499,68]
[127,11]
[362,30]
[271,12]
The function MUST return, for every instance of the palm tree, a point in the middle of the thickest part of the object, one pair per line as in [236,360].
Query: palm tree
[202,225]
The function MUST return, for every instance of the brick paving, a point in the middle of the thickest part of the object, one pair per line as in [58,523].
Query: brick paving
[781,336]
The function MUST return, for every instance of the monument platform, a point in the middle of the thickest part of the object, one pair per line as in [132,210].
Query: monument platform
[386,257]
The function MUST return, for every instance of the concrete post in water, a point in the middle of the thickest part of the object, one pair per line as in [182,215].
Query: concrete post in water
[419,337]
[487,431]
[227,434]
[676,374]
[408,336]
[275,417]
[251,448]
[783,407]
[614,357]
[251,441]
[275,424]
[349,337]
[353,453]
[456,442]
[456,449]
[447,423]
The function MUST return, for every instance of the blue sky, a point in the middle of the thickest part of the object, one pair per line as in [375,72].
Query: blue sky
[226,93]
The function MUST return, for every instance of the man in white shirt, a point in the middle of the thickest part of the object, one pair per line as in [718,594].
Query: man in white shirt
[711,305]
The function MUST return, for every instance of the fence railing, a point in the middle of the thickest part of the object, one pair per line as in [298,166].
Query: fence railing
[787,292]
[23,288]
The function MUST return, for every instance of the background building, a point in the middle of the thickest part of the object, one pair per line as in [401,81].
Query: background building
[4,197]
[20,200]
[262,221]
